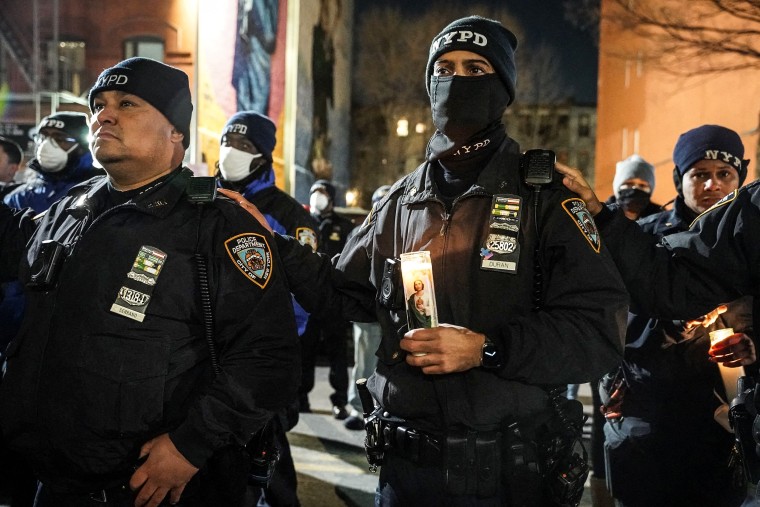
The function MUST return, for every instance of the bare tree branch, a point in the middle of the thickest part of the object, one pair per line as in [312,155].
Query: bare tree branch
[705,36]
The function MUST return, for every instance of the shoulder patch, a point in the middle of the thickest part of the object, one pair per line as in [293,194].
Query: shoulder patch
[307,236]
[576,208]
[727,199]
[251,255]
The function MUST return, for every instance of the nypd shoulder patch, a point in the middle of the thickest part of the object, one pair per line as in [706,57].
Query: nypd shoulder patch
[251,255]
[576,208]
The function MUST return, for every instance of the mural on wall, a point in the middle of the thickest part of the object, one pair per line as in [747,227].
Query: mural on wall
[241,67]
[255,43]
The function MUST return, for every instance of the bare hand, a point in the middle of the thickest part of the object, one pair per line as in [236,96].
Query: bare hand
[443,349]
[575,181]
[165,471]
[246,205]
[734,351]
[706,320]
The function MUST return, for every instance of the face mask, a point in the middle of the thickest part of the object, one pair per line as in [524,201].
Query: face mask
[52,158]
[319,201]
[633,199]
[235,164]
[464,106]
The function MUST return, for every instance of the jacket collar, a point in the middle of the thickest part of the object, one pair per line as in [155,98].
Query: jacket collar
[156,200]
[498,177]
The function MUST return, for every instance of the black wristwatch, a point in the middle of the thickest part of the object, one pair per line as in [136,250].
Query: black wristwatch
[490,356]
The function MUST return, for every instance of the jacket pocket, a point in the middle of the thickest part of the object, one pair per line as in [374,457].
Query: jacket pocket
[123,381]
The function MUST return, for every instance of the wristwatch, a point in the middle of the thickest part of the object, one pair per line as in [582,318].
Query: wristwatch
[490,356]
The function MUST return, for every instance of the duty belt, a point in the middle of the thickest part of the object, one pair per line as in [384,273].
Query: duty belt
[413,444]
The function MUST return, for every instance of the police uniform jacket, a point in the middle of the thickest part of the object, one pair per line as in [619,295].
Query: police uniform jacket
[284,215]
[574,337]
[45,188]
[86,386]
[690,273]
[333,232]
[670,378]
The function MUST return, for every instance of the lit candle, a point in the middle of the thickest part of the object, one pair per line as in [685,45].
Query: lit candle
[417,274]
[730,376]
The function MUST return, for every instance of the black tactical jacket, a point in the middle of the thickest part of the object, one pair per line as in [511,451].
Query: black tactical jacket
[86,385]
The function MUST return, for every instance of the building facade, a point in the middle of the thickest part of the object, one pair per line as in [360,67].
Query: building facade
[648,94]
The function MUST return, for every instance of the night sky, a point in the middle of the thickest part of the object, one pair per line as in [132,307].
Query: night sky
[543,21]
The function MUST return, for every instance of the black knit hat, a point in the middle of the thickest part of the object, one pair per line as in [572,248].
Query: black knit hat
[324,185]
[257,128]
[72,123]
[710,142]
[486,37]
[166,88]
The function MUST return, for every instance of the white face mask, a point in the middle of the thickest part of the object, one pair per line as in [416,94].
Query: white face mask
[52,158]
[235,164]
[318,201]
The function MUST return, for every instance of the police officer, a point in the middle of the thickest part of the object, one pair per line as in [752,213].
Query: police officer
[669,377]
[159,334]
[687,274]
[62,159]
[245,165]
[367,336]
[11,156]
[332,334]
[464,404]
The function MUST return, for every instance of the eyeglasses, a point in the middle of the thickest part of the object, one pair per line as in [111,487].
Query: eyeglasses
[58,137]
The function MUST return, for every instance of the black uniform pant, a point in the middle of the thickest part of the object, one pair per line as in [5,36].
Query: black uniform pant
[333,338]
[404,483]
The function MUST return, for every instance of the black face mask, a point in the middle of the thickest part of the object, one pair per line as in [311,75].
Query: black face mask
[633,199]
[464,106]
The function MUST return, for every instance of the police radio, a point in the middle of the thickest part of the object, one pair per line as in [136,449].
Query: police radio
[538,166]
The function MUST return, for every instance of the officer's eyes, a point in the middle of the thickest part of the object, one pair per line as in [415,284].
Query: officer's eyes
[441,71]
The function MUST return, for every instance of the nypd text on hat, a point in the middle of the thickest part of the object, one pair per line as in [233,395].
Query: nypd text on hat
[236,128]
[724,156]
[112,80]
[53,124]
[460,36]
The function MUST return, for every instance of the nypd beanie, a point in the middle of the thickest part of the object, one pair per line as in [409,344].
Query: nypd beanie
[257,128]
[710,142]
[166,88]
[632,167]
[72,123]
[324,185]
[485,37]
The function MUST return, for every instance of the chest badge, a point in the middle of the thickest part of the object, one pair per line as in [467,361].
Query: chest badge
[251,254]
[136,290]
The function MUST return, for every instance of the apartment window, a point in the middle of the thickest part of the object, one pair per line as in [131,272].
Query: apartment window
[148,47]
[584,126]
[71,68]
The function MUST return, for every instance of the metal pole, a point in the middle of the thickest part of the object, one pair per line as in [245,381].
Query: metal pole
[55,88]
[36,59]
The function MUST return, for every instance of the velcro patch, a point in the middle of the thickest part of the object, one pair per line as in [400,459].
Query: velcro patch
[576,208]
[251,254]
[307,236]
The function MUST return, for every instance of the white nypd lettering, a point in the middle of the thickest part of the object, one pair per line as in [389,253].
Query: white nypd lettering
[53,124]
[236,128]
[460,36]
[112,80]
[467,148]
[724,156]
[133,297]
